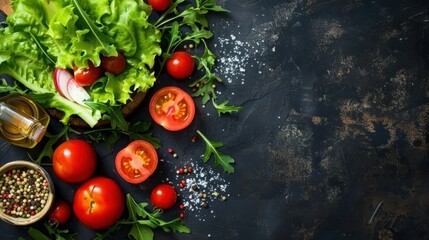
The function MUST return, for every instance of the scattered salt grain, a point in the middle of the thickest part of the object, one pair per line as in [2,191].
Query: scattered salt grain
[199,187]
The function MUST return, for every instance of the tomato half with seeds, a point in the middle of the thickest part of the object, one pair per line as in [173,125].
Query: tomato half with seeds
[136,162]
[172,108]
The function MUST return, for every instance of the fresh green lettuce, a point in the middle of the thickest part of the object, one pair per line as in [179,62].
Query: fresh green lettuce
[42,35]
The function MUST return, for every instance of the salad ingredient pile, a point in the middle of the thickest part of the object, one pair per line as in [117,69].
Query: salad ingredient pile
[75,36]
[89,58]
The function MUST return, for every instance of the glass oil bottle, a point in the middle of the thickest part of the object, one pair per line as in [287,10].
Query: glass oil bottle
[23,122]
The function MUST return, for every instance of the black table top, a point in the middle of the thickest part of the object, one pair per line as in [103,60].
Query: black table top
[332,139]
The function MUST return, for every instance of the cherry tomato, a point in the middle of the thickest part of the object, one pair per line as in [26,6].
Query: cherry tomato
[172,108]
[114,64]
[180,65]
[163,196]
[159,5]
[87,76]
[60,213]
[74,161]
[136,162]
[98,203]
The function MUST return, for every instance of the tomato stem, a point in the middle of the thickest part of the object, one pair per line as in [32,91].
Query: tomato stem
[92,203]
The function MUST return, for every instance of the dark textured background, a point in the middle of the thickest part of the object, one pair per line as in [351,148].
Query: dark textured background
[335,97]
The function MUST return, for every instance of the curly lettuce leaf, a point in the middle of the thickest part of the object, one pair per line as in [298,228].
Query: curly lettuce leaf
[120,88]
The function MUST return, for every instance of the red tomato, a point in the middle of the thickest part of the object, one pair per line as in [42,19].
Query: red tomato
[180,65]
[114,64]
[60,212]
[74,161]
[87,76]
[98,203]
[172,108]
[159,5]
[136,162]
[163,196]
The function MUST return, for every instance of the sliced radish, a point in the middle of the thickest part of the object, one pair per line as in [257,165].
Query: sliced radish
[67,86]
[77,93]
[61,80]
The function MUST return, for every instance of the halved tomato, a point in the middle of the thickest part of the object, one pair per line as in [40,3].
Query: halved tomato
[172,108]
[136,162]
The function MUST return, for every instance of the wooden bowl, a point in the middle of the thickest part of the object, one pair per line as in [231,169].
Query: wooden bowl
[45,205]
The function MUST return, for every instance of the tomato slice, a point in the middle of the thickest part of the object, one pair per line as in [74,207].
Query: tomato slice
[172,108]
[136,162]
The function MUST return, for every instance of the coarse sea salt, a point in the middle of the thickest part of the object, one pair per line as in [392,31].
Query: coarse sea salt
[235,56]
[208,181]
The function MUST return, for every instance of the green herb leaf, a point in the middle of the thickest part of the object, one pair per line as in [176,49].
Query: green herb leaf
[109,232]
[136,130]
[59,234]
[144,221]
[220,159]
[37,234]
[224,108]
[53,231]
[141,232]
[116,118]
[48,150]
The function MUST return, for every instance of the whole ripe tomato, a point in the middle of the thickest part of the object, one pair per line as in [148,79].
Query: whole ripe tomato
[136,162]
[159,5]
[180,65]
[172,108]
[98,203]
[114,64]
[163,196]
[87,76]
[60,213]
[74,161]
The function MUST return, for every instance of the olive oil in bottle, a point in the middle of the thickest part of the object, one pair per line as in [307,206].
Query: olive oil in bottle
[23,122]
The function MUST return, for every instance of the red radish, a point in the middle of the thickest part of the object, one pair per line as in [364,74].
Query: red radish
[77,93]
[61,79]
[67,86]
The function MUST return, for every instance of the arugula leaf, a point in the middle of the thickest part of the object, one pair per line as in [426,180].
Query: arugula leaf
[141,232]
[140,130]
[224,108]
[37,234]
[219,158]
[48,150]
[114,113]
[136,130]
[108,233]
[143,221]
[58,234]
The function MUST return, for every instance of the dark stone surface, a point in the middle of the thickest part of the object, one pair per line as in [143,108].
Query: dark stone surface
[335,97]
